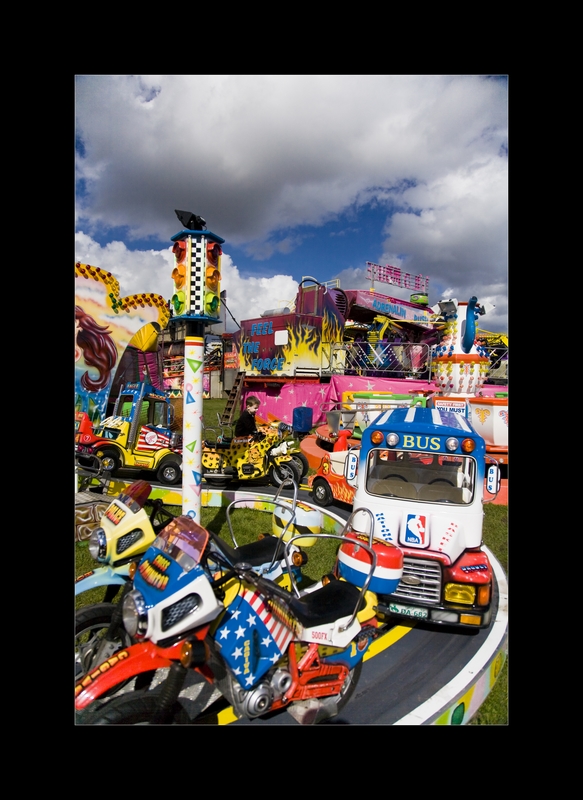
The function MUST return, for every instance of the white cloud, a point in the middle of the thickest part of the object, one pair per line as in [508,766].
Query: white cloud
[260,155]
[136,270]
[150,271]
[257,153]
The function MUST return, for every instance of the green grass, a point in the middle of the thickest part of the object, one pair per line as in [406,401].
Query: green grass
[494,710]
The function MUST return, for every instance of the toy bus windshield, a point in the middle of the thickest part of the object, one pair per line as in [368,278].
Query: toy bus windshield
[427,477]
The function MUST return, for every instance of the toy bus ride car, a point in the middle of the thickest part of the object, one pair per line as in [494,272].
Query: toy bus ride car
[421,473]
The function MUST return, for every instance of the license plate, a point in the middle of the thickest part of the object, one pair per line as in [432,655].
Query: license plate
[408,611]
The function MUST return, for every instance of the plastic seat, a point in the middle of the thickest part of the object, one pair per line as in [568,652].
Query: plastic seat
[391,487]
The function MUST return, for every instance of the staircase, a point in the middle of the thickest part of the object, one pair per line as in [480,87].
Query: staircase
[233,400]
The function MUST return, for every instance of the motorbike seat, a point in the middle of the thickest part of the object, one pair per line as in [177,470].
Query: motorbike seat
[335,600]
[325,605]
[255,553]
[217,445]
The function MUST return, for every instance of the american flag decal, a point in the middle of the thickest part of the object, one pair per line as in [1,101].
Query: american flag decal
[151,440]
[251,639]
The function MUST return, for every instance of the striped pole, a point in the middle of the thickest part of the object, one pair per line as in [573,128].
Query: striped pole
[192,426]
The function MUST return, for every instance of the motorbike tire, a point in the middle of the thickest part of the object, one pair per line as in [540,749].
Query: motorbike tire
[302,463]
[349,686]
[133,709]
[91,623]
[217,483]
[279,472]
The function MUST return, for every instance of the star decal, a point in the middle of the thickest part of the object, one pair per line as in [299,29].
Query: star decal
[224,633]
[235,613]
[266,642]
[237,652]
[251,619]
[240,632]
[250,680]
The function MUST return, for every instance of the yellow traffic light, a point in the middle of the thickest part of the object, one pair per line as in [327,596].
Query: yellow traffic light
[212,284]
[181,276]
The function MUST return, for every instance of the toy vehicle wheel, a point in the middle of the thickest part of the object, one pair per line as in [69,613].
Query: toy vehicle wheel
[110,460]
[302,463]
[169,472]
[321,492]
[133,709]
[349,686]
[91,625]
[217,483]
[279,472]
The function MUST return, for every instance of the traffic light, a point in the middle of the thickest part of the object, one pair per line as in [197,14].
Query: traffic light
[212,282]
[181,276]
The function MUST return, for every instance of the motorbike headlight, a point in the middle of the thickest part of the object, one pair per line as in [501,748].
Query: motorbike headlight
[98,544]
[135,615]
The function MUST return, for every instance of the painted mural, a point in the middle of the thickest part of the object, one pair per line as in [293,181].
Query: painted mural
[105,324]
[284,343]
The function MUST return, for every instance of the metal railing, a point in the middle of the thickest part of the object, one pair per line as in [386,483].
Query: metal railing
[380,359]
[389,359]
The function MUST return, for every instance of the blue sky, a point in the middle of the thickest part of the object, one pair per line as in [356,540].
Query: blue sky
[302,176]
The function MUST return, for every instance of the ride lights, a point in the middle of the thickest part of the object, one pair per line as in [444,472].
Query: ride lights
[468,445]
[393,439]
[470,619]
[459,593]
[451,443]
[299,558]
[193,653]
[483,595]
[134,614]
[98,544]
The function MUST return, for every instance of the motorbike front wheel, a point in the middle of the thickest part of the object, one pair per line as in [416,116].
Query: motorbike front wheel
[279,472]
[349,686]
[91,625]
[134,709]
[302,462]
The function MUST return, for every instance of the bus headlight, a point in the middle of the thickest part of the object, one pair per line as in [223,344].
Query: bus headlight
[460,593]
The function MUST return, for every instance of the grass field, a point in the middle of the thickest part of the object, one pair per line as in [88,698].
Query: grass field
[494,711]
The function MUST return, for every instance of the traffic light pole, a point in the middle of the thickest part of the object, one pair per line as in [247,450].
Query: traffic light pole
[192,393]
[196,302]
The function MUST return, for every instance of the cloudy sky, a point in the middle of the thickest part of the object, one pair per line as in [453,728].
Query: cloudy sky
[302,175]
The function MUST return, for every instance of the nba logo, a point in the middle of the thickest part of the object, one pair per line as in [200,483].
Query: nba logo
[416,530]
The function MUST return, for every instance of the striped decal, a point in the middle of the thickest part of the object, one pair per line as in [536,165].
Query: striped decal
[384,418]
[463,423]
[410,415]
[386,573]
[281,634]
